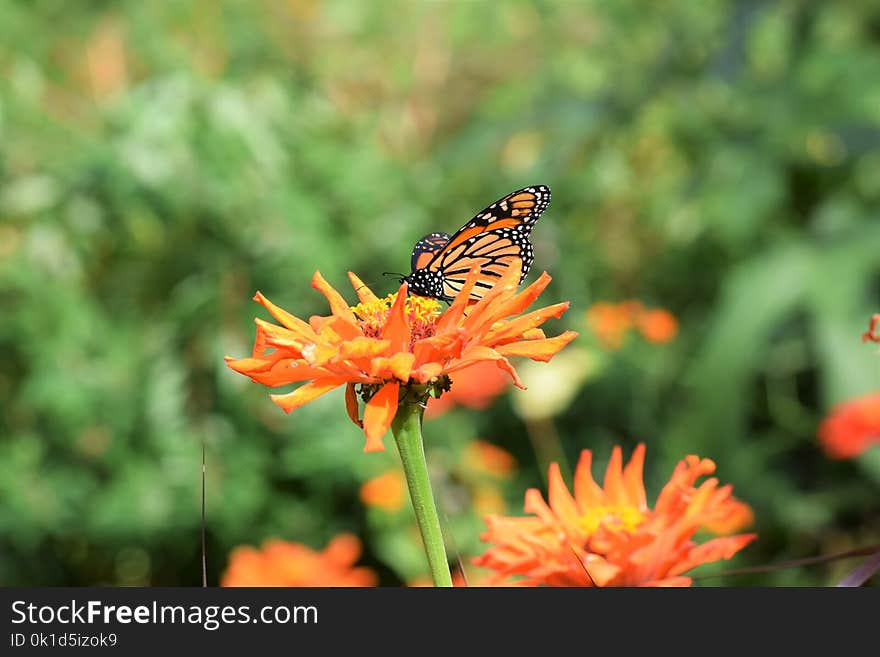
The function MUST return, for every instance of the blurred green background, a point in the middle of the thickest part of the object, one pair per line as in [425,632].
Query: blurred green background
[159,162]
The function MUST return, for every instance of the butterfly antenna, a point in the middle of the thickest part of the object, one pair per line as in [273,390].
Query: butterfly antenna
[374,283]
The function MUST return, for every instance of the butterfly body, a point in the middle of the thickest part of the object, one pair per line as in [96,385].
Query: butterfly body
[494,239]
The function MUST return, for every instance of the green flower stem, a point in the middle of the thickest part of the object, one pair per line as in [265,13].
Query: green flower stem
[407,430]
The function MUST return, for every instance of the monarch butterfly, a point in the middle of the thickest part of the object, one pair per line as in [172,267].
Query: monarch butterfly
[494,239]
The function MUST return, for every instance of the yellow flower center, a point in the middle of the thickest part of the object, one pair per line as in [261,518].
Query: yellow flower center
[422,313]
[615,518]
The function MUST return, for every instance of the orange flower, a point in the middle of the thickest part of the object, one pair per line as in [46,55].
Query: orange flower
[475,387]
[612,321]
[873,332]
[487,499]
[658,325]
[280,563]
[851,427]
[386,492]
[489,459]
[608,536]
[400,344]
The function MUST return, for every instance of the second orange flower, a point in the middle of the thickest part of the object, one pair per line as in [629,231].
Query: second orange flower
[609,536]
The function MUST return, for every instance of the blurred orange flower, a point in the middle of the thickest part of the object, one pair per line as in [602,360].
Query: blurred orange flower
[851,427]
[475,387]
[281,563]
[608,536]
[657,325]
[486,458]
[487,499]
[873,332]
[386,492]
[612,321]
[387,346]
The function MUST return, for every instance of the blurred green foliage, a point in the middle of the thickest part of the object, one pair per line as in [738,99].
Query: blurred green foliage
[159,162]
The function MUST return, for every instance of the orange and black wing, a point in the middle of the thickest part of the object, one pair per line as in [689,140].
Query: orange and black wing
[425,248]
[494,239]
[518,210]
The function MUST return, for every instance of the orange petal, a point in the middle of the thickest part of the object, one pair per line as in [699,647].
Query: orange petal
[308,392]
[379,367]
[401,365]
[514,328]
[535,504]
[427,372]
[295,324]
[633,478]
[276,374]
[438,347]
[351,404]
[561,501]
[600,570]
[378,414]
[613,483]
[340,329]
[686,472]
[541,350]
[586,491]
[274,349]
[363,348]
[873,332]
[485,312]
[732,516]
[471,356]
[475,354]
[456,310]
[338,305]
[364,293]
[527,297]
[397,329]
[712,550]
[274,336]
[317,322]
[670,582]
[343,549]
[319,354]
[248,366]
[505,365]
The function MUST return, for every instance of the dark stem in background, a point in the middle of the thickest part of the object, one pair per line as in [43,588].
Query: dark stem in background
[546,445]
[449,537]
[795,563]
[204,551]
[863,573]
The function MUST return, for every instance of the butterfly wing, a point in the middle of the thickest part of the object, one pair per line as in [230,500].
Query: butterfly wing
[425,248]
[518,210]
[494,239]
